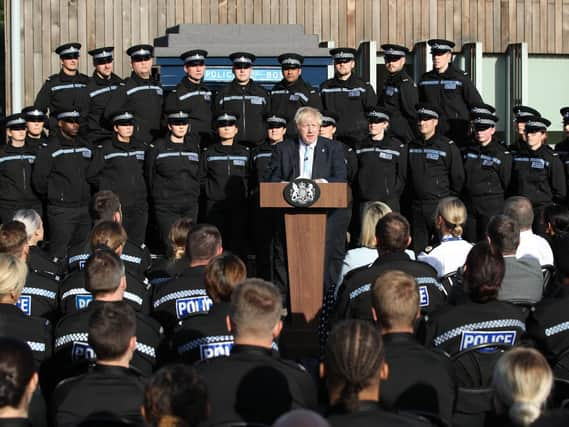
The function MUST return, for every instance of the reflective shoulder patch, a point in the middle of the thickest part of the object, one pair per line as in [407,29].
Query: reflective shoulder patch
[473,338]
[192,305]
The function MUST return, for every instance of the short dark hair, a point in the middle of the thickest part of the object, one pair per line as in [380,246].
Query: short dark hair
[203,242]
[108,233]
[520,209]
[16,370]
[222,274]
[484,272]
[111,326]
[103,271]
[104,204]
[176,391]
[392,233]
[558,217]
[13,237]
[504,233]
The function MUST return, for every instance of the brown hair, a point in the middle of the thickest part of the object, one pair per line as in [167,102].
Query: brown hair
[203,242]
[222,274]
[395,298]
[109,234]
[392,233]
[13,238]
[103,271]
[178,236]
[111,326]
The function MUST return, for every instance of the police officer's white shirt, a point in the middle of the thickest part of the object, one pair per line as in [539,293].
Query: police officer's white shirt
[534,246]
[448,256]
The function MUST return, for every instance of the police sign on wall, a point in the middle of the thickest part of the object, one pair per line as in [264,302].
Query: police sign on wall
[301,193]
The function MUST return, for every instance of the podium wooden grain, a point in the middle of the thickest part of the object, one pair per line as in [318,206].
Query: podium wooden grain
[305,242]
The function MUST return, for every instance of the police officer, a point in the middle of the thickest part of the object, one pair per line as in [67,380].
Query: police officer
[60,175]
[245,97]
[100,90]
[292,92]
[348,96]
[537,172]
[193,97]
[435,171]
[16,160]
[65,90]
[382,162]
[141,95]
[172,170]
[449,89]
[487,170]
[118,166]
[35,123]
[562,148]
[522,113]
[399,95]
[224,180]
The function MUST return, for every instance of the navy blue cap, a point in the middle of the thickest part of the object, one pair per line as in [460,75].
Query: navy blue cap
[427,111]
[536,124]
[123,118]
[329,118]
[140,51]
[440,45]
[226,119]
[68,115]
[291,60]
[377,115]
[274,120]
[242,58]
[341,54]
[522,113]
[34,114]
[194,57]
[565,114]
[178,117]
[15,121]
[102,55]
[394,50]
[483,121]
[69,50]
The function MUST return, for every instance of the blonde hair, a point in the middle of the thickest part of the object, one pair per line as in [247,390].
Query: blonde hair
[522,382]
[304,112]
[13,273]
[453,213]
[373,212]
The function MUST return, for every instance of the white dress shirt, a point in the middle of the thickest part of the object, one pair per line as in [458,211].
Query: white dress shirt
[534,246]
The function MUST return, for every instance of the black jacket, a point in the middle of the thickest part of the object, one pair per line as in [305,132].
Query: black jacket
[369,414]
[16,165]
[400,96]
[224,173]
[40,296]
[99,92]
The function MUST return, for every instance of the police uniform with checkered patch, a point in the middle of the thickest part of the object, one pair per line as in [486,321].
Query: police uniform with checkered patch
[40,296]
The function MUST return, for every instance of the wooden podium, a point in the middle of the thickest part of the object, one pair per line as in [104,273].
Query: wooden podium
[305,243]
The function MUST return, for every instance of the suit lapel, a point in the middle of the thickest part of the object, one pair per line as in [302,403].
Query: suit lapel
[296,160]
[318,157]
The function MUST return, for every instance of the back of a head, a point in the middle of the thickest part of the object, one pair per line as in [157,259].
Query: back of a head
[16,370]
[104,205]
[111,326]
[504,233]
[373,212]
[222,274]
[104,271]
[178,236]
[453,213]
[557,219]
[392,233]
[256,307]
[203,243]
[13,273]
[108,233]
[301,418]
[176,392]
[13,238]
[395,298]
[353,357]
[484,272]
[522,383]
[519,208]
[31,220]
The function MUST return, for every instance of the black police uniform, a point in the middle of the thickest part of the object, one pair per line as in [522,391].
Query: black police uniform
[119,167]
[224,180]
[435,171]
[16,181]
[251,101]
[253,384]
[143,98]
[371,413]
[100,91]
[181,297]
[172,172]
[348,99]
[354,295]
[40,296]
[60,175]
[36,331]
[74,297]
[287,98]
[72,353]
[39,260]
[487,171]
[454,93]
[203,336]
[419,379]
[114,391]
[382,170]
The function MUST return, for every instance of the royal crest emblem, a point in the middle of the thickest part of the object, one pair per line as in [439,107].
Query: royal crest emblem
[302,192]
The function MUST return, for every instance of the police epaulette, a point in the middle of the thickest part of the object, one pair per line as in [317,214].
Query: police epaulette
[47,275]
[450,141]
[151,145]
[405,80]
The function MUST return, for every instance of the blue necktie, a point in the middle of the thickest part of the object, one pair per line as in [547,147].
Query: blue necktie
[307,164]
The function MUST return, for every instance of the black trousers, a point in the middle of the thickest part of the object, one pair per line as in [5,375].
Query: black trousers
[7,210]
[230,217]
[135,220]
[480,210]
[423,224]
[166,215]
[335,250]
[67,226]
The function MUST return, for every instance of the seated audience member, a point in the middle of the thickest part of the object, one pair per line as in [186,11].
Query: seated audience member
[38,259]
[105,279]
[254,384]
[520,209]
[353,368]
[557,230]
[420,380]
[451,253]
[301,418]
[74,295]
[39,296]
[110,390]
[175,396]
[207,335]
[185,295]
[13,321]
[523,280]
[18,382]
[106,206]
[522,382]
[483,318]
[392,235]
